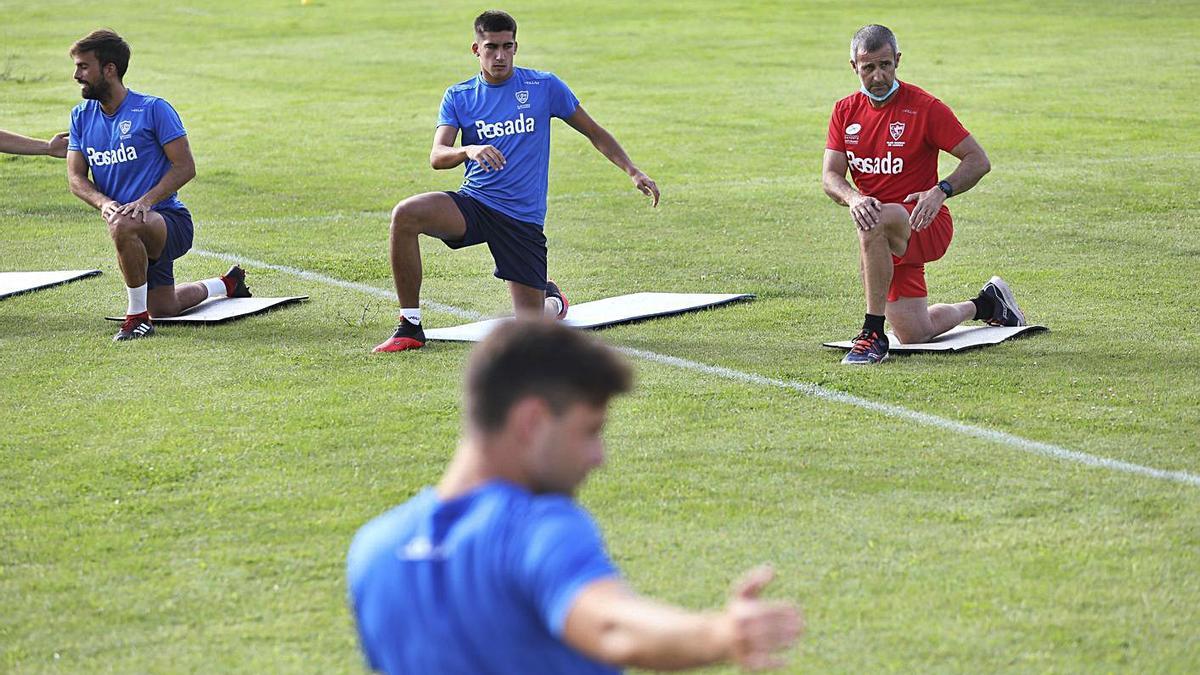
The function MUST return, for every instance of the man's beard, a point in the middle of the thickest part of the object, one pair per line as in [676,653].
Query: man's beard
[96,92]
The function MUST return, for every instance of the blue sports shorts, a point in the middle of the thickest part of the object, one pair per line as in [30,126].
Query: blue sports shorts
[518,248]
[161,271]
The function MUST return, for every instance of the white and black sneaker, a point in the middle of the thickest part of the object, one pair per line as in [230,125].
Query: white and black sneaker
[135,326]
[1004,306]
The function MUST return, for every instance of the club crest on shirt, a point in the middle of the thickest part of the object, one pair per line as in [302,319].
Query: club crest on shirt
[125,126]
[523,96]
[896,129]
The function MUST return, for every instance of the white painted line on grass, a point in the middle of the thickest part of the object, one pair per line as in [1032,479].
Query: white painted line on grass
[817,391]
[806,388]
[332,281]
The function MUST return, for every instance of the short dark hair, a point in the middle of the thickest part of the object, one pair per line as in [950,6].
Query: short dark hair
[872,38]
[544,359]
[108,46]
[495,21]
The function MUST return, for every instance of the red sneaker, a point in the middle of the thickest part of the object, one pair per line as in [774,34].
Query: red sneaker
[407,336]
[135,326]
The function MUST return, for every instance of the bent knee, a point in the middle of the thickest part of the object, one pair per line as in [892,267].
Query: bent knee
[123,227]
[406,218]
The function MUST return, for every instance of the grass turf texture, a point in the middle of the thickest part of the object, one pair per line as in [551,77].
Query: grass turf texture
[185,503]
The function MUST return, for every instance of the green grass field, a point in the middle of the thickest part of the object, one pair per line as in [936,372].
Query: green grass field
[185,503]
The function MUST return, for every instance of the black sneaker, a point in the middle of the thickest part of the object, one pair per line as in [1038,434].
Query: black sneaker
[1005,311]
[407,336]
[869,348]
[135,326]
[553,291]
[237,277]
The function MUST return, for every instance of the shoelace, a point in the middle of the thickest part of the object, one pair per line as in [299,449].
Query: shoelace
[863,343]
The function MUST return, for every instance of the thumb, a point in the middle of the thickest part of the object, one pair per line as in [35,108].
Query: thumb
[913,197]
[753,582]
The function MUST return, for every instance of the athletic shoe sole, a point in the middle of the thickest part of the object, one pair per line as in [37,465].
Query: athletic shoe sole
[866,363]
[397,345]
[240,289]
[137,333]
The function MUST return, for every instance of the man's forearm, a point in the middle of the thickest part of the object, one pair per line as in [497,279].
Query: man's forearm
[969,172]
[175,178]
[447,157]
[838,189]
[22,145]
[608,146]
[662,637]
[86,190]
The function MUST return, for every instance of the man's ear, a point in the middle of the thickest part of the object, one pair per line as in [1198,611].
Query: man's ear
[527,416]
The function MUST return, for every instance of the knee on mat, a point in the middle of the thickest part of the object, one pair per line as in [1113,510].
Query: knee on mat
[909,336]
[163,310]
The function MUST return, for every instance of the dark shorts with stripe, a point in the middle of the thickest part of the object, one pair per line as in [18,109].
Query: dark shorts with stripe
[161,271]
[518,248]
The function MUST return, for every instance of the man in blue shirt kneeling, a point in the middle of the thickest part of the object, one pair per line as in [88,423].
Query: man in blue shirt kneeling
[127,157]
[502,117]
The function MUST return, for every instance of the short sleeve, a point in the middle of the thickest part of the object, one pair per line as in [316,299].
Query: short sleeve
[75,139]
[945,131]
[562,100]
[167,125]
[834,140]
[562,554]
[446,114]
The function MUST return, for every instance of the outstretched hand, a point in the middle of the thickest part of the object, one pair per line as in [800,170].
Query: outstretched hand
[57,146]
[644,183]
[760,628]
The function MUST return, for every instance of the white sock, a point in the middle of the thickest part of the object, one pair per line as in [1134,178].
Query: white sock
[553,306]
[216,287]
[412,315]
[137,300]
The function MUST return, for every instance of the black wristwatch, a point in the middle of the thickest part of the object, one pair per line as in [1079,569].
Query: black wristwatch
[945,186]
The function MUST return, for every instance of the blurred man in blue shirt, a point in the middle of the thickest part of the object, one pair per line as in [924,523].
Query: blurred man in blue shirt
[498,570]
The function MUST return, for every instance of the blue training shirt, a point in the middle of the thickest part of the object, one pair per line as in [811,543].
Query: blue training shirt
[124,150]
[478,584]
[514,117]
